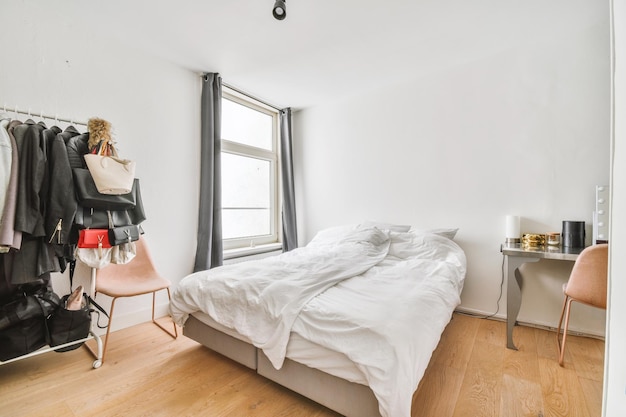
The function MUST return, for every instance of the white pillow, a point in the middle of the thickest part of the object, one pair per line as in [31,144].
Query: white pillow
[349,233]
[387,226]
[332,234]
[448,232]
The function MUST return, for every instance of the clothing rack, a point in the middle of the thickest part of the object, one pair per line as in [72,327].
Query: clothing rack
[41,115]
[98,354]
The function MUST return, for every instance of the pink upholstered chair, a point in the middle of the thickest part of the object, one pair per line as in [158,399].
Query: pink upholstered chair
[587,284]
[137,277]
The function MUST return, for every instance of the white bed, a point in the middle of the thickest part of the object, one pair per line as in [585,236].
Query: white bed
[350,320]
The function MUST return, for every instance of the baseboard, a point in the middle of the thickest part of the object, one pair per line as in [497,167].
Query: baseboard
[500,316]
[124,320]
[538,325]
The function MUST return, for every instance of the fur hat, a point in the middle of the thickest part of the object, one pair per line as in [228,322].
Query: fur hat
[99,131]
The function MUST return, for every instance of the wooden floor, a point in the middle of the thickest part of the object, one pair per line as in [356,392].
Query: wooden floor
[147,373]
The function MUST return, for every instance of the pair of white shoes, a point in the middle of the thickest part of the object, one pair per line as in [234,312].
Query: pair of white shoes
[75,300]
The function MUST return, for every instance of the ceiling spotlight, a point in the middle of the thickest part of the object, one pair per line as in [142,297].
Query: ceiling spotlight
[280,10]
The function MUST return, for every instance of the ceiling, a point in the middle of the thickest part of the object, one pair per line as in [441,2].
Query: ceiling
[327,50]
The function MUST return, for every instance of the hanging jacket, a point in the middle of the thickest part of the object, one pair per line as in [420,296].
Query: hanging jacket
[5,159]
[33,262]
[46,140]
[76,149]
[9,237]
[28,216]
[36,258]
[61,204]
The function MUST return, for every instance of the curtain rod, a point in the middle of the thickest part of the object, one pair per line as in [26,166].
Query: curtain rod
[250,96]
[41,115]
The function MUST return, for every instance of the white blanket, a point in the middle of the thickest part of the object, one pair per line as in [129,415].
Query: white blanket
[261,299]
[381,298]
[389,320]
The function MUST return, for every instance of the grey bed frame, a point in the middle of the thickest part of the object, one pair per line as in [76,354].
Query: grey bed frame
[347,398]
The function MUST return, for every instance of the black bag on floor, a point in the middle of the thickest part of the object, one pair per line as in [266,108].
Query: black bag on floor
[24,337]
[72,321]
[69,325]
[23,320]
[29,301]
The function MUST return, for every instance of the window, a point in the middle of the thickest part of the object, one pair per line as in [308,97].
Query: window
[250,197]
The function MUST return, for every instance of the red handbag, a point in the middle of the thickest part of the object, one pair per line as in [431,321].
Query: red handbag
[93,238]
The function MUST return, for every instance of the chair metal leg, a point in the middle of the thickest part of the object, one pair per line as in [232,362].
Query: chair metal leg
[106,337]
[558,329]
[567,305]
[175,333]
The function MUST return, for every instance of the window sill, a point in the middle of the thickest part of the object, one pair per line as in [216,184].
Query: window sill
[252,251]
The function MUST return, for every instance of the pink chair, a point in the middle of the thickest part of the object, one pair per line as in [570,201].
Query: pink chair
[587,284]
[137,277]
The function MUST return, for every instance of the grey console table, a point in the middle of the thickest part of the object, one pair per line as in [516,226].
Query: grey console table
[515,255]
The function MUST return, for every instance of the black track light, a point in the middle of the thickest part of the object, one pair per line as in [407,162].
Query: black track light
[280,10]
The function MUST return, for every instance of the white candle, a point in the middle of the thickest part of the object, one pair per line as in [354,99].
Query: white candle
[512,227]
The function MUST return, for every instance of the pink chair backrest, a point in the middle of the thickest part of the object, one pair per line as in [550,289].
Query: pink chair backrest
[588,280]
[141,265]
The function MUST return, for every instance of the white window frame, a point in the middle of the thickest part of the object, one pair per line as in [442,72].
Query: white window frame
[236,247]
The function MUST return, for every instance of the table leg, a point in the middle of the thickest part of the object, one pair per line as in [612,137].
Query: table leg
[513,294]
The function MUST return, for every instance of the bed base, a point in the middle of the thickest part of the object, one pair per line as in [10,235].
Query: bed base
[347,398]
[235,349]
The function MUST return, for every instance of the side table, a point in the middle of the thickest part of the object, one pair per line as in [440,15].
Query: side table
[515,255]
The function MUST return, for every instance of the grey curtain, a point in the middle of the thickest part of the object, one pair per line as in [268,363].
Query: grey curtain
[209,246]
[290,235]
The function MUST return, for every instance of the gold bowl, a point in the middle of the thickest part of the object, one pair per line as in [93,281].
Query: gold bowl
[533,239]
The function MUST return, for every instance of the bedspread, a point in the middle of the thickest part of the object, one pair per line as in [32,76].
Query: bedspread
[261,299]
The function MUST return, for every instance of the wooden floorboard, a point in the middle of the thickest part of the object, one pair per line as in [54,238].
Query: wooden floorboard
[147,373]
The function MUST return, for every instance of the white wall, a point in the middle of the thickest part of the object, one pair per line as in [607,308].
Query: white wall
[52,64]
[615,363]
[524,132]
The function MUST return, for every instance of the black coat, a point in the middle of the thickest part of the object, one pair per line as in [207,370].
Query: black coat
[61,202]
[77,147]
[32,168]
[45,199]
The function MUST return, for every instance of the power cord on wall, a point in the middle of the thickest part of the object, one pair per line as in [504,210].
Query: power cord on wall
[501,290]
[497,302]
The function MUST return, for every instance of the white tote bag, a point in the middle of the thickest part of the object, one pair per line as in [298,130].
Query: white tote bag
[112,175]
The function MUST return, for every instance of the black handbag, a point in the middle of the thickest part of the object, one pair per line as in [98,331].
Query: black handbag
[137,215]
[67,325]
[90,218]
[124,234]
[88,196]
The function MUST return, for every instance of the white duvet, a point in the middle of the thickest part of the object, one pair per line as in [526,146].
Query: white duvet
[379,297]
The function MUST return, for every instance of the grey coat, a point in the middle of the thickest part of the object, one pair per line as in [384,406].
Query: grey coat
[9,237]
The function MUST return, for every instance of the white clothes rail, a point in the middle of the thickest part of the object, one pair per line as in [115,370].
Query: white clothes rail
[92,287]
[41,115]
